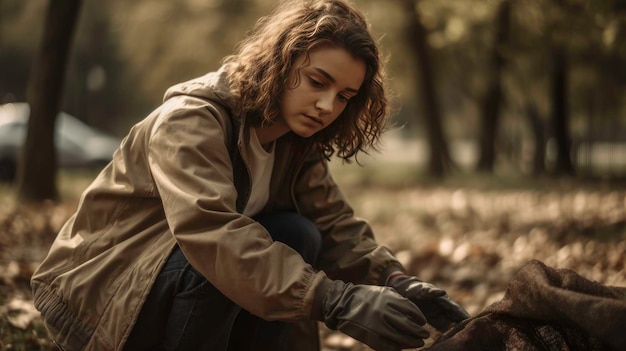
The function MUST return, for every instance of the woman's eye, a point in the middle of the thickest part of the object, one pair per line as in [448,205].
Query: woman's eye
[343,98]
[316,83]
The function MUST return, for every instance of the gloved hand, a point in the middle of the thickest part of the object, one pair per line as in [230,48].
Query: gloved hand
[376,316]
[440,311]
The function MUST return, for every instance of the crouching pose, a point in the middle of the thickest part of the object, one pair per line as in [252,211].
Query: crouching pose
[218,224]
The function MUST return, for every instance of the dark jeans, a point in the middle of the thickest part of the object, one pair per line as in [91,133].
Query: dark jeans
[184,311]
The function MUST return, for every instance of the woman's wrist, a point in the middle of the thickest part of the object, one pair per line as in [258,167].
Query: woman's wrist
[321,290]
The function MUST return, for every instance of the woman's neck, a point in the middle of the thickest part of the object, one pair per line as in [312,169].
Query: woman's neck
[268,134]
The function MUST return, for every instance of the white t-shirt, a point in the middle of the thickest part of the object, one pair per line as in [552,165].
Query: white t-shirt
[261,164]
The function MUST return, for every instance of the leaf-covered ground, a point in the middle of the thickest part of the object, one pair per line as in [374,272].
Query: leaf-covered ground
[469,240]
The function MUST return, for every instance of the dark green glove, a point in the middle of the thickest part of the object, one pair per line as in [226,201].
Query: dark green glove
[440,311]
[376,316]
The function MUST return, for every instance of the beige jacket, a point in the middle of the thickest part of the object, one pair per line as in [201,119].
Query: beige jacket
[180,176]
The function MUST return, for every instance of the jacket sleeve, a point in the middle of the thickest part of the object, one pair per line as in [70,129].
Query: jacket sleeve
[192,170]
[349,249]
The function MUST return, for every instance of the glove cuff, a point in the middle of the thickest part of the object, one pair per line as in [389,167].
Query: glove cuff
[392,276]
[389,270]
[317,309]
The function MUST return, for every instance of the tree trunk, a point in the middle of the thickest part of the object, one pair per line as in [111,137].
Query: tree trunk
[560,113]
[439,161]
[490,106]
[539,155]
[38,165]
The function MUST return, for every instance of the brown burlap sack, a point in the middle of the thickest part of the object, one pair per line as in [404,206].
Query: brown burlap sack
[545,309]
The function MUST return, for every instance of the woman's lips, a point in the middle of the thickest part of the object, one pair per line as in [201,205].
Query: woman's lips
[315,119]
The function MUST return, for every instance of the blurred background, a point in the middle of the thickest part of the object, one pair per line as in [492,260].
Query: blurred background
[508,136]
[526,87]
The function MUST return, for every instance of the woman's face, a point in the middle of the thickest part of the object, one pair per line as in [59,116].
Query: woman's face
[326,83]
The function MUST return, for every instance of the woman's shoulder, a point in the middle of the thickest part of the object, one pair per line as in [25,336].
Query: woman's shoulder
[211,88]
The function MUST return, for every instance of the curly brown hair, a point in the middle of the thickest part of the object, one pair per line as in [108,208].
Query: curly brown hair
[261,64]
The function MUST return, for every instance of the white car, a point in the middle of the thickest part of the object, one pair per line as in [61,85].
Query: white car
[78,145]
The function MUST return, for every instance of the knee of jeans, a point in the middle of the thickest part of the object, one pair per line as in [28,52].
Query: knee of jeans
[310,239]
[296,231]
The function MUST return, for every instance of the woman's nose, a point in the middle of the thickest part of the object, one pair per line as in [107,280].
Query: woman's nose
[324,103]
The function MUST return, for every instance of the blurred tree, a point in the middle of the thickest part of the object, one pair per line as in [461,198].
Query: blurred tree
[38,165]
[95,80]
[440,161]
[164,43]
[559,89]
[560,112]
[490,104]
[17,18]
[538,166]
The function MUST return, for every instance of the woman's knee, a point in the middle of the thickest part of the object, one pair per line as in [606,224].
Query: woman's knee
[294,230]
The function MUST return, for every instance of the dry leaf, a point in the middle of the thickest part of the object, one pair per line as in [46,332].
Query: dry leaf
[20,313]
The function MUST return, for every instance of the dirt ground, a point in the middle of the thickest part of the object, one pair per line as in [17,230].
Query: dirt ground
[469,240]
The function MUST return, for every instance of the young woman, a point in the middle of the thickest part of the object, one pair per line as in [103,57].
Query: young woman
[218,213]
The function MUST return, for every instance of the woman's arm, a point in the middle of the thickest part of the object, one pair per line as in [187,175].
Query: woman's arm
[349,249]
[191,166]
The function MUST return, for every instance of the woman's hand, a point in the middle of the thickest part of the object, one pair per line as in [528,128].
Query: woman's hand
[441,312]
[376,316]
